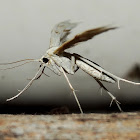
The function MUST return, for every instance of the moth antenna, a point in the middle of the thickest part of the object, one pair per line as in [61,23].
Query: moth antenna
[16,61]
[19,65]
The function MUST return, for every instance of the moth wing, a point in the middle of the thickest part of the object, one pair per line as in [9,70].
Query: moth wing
[89,66]
[84,36]
[60,32]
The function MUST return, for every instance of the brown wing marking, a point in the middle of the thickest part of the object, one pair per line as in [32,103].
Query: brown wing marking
[89,34]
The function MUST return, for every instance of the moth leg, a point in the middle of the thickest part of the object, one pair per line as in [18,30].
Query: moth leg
[113,97]
[74,67]
[54,68]
[72,90]
[72,63]
[101,90]
[27,86]
[42,72]
[124,80]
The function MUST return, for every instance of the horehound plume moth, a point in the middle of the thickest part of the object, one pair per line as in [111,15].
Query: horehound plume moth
[59,61]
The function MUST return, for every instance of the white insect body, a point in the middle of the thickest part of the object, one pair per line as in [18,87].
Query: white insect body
[59,61]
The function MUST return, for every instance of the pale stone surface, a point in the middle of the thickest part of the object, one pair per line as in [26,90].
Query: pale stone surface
[116,126]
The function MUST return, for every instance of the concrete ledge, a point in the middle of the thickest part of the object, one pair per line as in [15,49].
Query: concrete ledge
[116,126]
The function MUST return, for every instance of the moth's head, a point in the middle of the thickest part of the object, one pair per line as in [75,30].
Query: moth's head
[44,60]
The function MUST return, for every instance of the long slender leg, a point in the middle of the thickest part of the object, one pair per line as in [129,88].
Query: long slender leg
[42,72]
[72,90]
[27,86]
[72,63]
[113,97]
[74,67]
[127,81]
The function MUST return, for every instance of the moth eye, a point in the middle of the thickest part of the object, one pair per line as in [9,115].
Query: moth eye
[45,60]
